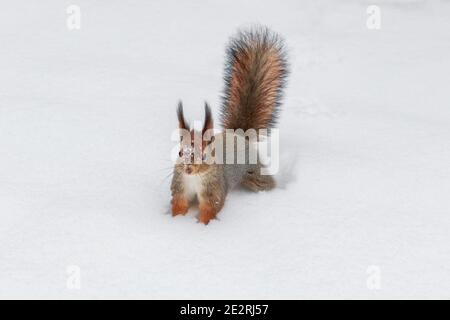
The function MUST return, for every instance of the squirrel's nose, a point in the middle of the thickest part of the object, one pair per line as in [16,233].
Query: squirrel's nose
[188,170]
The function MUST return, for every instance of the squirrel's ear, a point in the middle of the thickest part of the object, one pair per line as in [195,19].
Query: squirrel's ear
[181,122]
[208,124]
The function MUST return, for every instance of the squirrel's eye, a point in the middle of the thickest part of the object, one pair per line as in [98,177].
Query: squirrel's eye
[180,153]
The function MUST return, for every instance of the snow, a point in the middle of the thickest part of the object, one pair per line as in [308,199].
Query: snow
[85,123]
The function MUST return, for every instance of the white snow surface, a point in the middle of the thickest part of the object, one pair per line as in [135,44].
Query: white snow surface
[86,118]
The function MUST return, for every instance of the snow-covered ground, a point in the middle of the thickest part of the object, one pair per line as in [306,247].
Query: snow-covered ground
[363,206]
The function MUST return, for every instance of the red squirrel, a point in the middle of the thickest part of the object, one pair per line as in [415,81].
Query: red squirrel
[255,75]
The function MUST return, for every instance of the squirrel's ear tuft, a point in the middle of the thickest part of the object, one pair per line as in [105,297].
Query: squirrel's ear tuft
[181,122]
[208,124]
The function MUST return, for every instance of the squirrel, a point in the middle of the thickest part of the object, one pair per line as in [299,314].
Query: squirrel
[255,75]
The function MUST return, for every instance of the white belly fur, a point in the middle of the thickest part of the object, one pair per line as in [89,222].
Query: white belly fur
[192,185]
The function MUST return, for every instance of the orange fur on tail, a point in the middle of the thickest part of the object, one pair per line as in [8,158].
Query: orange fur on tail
[255,74]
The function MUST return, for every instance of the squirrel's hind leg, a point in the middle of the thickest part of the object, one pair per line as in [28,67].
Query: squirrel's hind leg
[254,181]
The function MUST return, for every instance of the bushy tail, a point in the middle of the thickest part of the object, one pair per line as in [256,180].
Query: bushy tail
[255,74]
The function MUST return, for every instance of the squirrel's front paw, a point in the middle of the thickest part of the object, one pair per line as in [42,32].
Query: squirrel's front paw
[207,212]
[179,206]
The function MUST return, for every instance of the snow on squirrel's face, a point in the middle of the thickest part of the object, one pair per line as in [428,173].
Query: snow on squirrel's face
[193,156]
